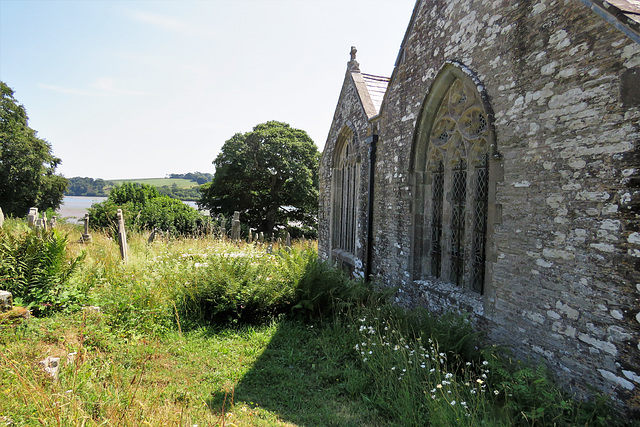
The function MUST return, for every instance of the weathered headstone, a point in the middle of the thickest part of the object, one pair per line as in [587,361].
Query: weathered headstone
[32,216]
[86,237]
[152,236]
[51,365]
[270,248]
[53,222]
[1,218]
[122,237]
[261,237]
[288,241]
[223,232]
[235,226]
[6,301]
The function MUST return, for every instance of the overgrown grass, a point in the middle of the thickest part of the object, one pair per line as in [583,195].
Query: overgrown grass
[207,332]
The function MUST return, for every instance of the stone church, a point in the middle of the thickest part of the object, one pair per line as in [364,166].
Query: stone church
[496,173]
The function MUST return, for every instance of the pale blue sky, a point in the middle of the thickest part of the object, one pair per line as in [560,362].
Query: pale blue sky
[135,89]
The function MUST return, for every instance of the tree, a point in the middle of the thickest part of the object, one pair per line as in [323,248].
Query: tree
[27,165]
[269,174]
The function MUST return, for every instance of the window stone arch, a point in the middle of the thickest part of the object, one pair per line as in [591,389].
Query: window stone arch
[345,188]
[454,168]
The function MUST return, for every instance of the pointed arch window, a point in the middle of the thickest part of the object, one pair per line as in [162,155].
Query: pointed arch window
[345,184]
[451,163]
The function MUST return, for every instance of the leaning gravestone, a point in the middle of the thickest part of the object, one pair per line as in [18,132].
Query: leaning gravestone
[122,237]
[1,218]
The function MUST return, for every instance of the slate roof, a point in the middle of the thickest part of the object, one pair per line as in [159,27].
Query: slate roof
[622,14]
[376,86]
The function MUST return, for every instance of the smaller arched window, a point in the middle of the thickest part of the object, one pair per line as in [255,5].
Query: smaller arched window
[345,180]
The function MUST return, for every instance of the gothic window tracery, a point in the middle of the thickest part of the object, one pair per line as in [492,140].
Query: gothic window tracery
[452,152]
[346,171]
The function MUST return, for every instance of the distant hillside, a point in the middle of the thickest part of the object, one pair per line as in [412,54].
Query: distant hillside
[161,182]
[178,186]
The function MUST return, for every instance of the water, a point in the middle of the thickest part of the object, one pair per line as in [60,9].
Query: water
[74,207]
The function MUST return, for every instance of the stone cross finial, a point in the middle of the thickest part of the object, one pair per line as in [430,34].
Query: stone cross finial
[353,64]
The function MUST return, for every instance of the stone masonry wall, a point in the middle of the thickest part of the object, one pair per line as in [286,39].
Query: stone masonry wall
[349,112]
[564,269]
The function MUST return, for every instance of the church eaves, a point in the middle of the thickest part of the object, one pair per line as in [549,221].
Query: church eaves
[622,14]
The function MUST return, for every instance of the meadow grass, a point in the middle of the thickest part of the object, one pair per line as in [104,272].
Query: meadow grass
[209,332]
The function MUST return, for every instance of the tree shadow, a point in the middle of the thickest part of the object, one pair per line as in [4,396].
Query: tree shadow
[306,377]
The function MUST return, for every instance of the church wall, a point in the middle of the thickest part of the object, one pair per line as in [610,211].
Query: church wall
[566,247]
[349,113]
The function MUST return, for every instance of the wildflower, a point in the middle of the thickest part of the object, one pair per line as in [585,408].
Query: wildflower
[423,365]
[485,363]
[448,375]
[453,402]
[464,404]
[365,359]
[370,352]
[473,391]
[393,368]
[479,381]
[439,386]
[432,370]
[433,396]
[496,392]
[396,348]
[433,391]
[468,363]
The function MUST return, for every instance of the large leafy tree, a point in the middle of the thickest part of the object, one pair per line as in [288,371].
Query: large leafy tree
[269,174]
[27,165]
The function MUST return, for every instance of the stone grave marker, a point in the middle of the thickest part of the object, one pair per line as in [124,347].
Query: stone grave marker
[32,216]
[1,218]
[235,226]
[86,237]
[6,301]
[122,237]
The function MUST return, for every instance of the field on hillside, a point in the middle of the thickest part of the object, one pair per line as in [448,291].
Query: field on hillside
[160,182]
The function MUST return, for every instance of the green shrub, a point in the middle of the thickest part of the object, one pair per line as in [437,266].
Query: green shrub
[248,286]
[144,208]
[35,268]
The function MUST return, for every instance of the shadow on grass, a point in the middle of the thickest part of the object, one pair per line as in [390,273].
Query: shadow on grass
[306,377]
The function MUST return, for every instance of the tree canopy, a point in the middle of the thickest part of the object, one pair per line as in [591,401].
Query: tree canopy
[27,165]
[269,175]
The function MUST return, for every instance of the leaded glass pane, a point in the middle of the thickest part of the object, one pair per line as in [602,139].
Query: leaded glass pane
[436,219]
[458,211]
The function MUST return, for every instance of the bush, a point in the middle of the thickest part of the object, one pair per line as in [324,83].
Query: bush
[144,208]
[35,268]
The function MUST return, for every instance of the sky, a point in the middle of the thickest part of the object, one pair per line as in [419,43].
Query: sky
[143,89]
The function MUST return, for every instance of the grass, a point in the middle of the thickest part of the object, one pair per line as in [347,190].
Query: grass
[160,182]
[212,333]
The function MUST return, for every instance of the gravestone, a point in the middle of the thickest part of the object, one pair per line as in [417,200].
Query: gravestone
[152,236]
[1,218]
[261,237]
[270,248]
[53,222]
[86,237]
[235,226]
[122,237]
[6,301]
[32,216]
[288,241]
[51,365]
